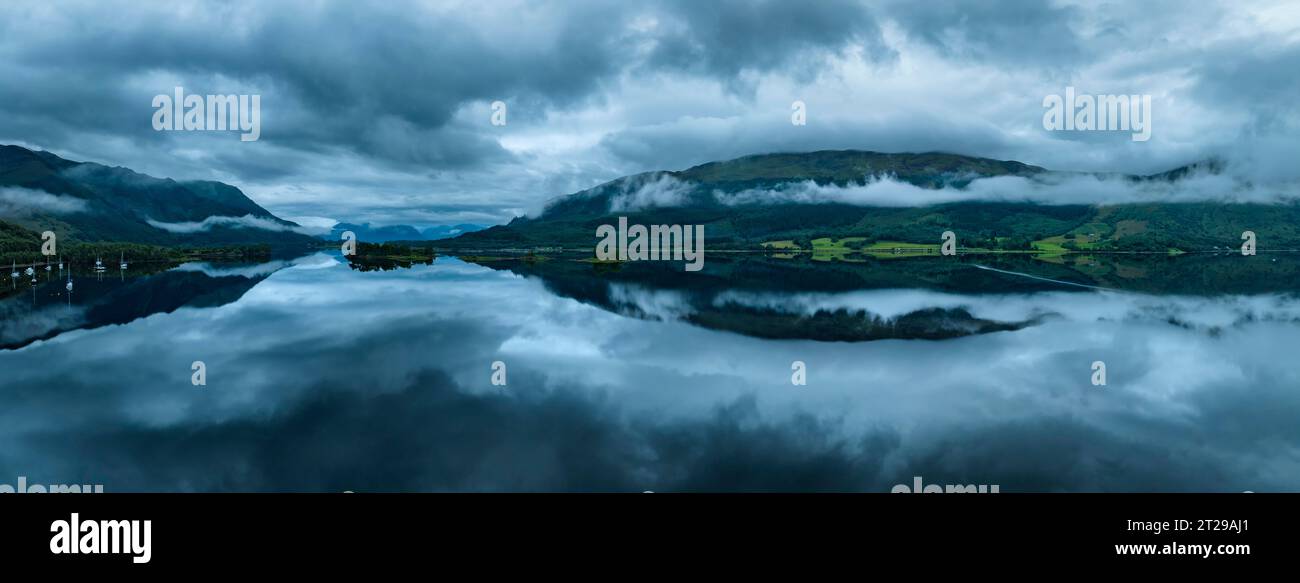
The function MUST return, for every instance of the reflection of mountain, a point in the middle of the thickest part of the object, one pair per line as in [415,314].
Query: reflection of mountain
[1189,275]
[920,298]
[719,297]
[110,301]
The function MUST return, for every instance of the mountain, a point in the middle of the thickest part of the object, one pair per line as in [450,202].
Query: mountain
[695,187]
[91,202]
[449,231]
[367,233]
[782,199]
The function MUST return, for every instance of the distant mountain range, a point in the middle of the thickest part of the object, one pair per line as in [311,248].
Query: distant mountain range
[792,199]
[90,202]
[369,234]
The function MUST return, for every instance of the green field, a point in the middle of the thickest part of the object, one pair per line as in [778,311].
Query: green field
[786,244]
[828,249]
[902,246]
[1051,245]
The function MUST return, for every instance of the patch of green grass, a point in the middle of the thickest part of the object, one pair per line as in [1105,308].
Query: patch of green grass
[882,249]
[827,249]
[1092,232]
[1130,227]
[1051,245]
[829,243]
[888,245]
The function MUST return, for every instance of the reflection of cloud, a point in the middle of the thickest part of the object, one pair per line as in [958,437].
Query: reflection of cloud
[330,379]
[1196,312]
[317,261]
[259,270]
[244,222]
[21,202]
[416,437]
[248,271]
[641,301]
[18,323]
[890,307]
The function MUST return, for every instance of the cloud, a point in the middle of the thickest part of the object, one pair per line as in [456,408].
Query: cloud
[244,222]
[1091,189]
[997,30]
[728,38]
[388,122]
[1205,183]
[651,190]
[314,225]
[21,202]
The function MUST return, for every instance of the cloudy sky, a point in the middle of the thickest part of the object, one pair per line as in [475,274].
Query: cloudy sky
[382,112]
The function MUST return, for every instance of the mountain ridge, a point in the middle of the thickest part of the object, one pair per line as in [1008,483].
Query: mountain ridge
[96,202]
[383,234]
[722,196]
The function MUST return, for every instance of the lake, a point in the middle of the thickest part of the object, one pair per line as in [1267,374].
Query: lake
[635,377]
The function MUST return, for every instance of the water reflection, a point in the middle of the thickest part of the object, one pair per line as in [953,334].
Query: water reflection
[324,378]
[91,297]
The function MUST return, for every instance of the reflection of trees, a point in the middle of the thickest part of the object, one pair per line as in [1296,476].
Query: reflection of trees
[389,256]
[109,300]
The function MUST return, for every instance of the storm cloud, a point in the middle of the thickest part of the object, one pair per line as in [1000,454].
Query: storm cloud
[382,113]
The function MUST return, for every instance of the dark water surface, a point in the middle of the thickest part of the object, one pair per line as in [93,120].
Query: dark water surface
[643,377]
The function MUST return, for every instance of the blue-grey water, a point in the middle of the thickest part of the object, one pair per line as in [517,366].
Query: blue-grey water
[324,378]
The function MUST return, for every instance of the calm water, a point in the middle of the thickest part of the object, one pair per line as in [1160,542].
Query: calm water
[325,378]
